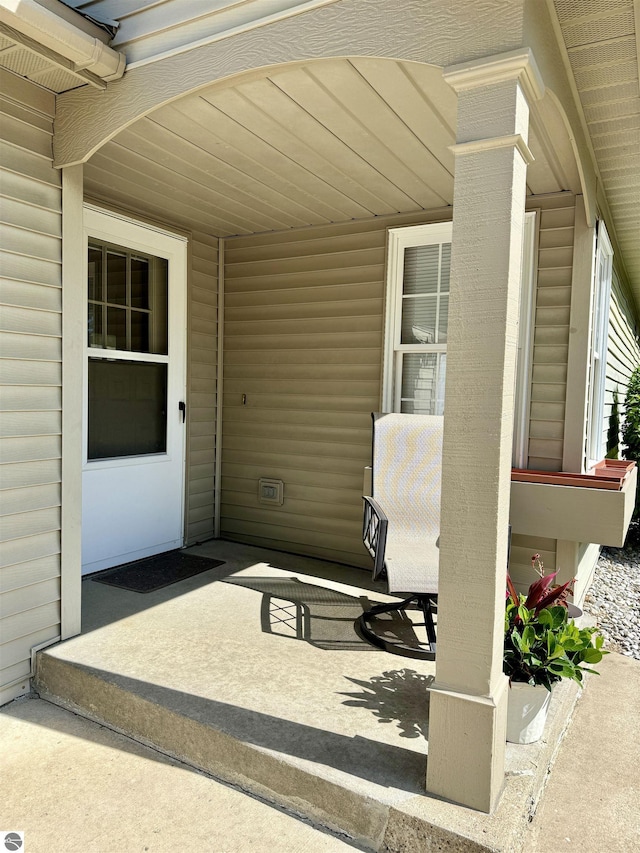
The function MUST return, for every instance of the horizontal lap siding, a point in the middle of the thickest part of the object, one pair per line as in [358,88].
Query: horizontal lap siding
[203,343]
[30,397]
[520,564]
[549,368]
[303,340]
[623,350]
[551,334]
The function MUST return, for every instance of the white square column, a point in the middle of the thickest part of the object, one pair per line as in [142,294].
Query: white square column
[467,719]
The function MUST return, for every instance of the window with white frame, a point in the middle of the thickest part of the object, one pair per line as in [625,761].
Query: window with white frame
[416,324]
[596,432]
[416,319]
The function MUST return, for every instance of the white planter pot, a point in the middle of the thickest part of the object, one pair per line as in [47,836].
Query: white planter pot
[526,712]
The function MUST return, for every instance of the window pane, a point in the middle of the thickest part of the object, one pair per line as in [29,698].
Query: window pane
[139,282]
[95,273]
[421,265]
[159,295]
[127,408]
[423,383]
[141,286]
[419,320]
[140,331]
[443,319]
[116,278]
[445,267]
[426,276]
[94,325]
[116,336]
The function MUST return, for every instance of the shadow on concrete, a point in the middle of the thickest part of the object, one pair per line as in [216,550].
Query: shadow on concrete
[317,614]
[207,719]
[398,696]
[103,605]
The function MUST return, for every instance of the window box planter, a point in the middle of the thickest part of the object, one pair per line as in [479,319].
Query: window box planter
[592,507]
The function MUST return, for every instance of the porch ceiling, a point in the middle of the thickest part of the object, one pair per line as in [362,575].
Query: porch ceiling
[602,45]
[329,141]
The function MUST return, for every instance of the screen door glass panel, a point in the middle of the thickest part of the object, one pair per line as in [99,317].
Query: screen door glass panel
[127,308]
[127,408]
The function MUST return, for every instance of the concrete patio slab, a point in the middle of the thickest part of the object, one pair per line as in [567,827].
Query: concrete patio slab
[252,672]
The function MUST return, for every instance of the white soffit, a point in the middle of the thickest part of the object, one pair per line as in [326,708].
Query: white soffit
[601,37]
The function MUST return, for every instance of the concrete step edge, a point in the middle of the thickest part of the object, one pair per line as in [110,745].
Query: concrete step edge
[74,687]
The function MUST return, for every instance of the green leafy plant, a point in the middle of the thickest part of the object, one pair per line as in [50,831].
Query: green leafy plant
[541,645]
[631,426]
[613,433]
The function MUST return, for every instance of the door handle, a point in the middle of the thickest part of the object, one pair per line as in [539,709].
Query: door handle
[182,406]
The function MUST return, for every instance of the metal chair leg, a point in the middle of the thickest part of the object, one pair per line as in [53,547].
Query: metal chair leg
[426,603]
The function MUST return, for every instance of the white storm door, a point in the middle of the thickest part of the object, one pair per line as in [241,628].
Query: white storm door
[134,381]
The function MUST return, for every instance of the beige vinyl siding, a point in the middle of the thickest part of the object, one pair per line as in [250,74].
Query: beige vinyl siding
[303,341]
[30,396]
[522,549]
[549,368]
[551,335]
[588,554]
[623,354]
[202,372]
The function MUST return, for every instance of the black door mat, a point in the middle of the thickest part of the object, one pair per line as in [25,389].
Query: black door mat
[154,573]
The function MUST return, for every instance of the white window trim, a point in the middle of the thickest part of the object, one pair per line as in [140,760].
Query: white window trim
[522,413]
[601,297]
[420,235]
[399,240]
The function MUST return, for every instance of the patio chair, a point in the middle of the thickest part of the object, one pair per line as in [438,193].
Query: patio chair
[402,524]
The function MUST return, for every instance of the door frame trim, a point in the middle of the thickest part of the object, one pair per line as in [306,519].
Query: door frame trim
[106,224]
[73,331]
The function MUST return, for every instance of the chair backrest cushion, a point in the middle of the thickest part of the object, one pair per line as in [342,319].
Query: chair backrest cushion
[407,465]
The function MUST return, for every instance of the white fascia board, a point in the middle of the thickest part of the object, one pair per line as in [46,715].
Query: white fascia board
[88,53]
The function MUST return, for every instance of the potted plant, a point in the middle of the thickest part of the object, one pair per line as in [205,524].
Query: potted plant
[541,646]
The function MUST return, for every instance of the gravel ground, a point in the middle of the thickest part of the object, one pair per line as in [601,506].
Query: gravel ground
[614,596]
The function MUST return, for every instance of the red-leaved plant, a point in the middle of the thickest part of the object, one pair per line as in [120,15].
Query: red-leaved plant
[541,645]
[541,593]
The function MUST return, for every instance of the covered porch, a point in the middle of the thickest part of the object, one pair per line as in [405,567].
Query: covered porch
[221,672]
[280,158]
[285,181]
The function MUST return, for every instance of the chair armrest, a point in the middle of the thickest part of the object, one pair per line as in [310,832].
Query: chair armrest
[374,534]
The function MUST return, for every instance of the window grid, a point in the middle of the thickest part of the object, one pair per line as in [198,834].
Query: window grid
[397,354]
[100,310]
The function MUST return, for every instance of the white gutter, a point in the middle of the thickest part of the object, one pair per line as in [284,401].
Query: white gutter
[86,52]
